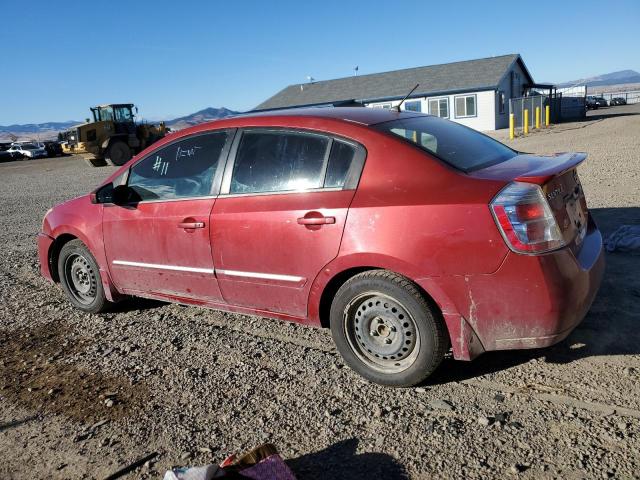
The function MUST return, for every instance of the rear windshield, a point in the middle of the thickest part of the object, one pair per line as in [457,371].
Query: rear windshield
[459,146]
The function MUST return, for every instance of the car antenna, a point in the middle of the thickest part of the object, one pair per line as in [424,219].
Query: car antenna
[397,107]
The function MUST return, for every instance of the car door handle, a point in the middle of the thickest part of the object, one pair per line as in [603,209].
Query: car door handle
[190,225]
[316,220]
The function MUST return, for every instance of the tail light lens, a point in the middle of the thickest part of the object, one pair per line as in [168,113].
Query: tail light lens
[525,219]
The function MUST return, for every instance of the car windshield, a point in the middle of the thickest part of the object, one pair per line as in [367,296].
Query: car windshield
[28,146]
[459,146]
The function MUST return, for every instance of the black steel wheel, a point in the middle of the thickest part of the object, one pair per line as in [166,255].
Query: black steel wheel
[381,332]
[80,277]
[385,329]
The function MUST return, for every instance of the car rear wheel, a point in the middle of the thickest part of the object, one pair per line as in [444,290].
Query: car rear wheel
[80,278]
[117,154]
[386,330]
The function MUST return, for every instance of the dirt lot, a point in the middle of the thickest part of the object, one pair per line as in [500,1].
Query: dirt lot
[83,395]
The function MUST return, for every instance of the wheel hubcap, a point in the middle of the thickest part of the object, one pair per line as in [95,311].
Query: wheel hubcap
[381,332]
[80,278]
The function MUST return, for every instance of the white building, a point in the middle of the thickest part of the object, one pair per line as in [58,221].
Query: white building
[475,93]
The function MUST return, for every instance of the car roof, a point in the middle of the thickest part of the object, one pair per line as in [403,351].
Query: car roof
[362,115]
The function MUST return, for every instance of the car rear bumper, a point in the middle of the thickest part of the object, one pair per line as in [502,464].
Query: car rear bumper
[44,245]
[531,301]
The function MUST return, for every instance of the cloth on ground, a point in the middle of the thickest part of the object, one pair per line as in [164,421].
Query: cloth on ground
[625,239]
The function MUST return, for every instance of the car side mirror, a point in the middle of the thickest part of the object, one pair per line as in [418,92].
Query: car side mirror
[118,195]
[103,195]
[123,195]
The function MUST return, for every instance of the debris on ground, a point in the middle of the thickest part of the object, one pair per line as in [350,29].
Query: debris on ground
[132,466]
[261,463]
[625,239]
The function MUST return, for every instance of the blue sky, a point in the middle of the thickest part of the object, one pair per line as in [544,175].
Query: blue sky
[176,57]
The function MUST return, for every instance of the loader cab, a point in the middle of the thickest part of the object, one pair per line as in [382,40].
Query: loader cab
[120,114]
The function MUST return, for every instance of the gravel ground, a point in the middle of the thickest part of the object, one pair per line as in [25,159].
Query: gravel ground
[83,395]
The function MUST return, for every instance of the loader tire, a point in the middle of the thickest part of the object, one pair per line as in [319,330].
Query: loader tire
[117,154]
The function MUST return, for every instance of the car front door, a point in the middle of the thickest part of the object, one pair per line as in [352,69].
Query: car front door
[160,242]
[280,216]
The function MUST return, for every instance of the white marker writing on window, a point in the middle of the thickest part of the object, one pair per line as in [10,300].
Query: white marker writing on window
[160,166]
[186,152]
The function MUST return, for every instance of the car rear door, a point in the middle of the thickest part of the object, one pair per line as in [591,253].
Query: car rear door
[280,215]
[160,243]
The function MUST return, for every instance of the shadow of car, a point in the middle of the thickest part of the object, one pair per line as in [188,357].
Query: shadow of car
[7,156]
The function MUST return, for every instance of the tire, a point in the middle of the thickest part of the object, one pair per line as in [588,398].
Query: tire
[117,154]
[80,278]
[96,162]
[386,330]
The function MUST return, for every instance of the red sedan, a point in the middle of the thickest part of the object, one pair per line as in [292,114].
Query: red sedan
[404,233]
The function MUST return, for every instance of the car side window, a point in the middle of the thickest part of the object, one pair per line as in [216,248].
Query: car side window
[340,161]
[182,169]
[278,162]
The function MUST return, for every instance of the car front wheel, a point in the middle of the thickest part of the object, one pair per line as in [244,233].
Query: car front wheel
[80,278]
[386,330]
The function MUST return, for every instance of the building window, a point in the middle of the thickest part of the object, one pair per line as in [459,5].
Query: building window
[465,106]
[501,101]
[415,106]
[382,105]
[439,107]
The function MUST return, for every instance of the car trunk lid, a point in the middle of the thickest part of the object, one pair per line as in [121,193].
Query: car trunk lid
[558,178]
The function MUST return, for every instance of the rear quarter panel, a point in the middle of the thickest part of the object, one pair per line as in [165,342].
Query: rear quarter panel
[418,217]
[411,207]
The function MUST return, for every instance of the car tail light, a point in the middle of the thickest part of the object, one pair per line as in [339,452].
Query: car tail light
[525,219]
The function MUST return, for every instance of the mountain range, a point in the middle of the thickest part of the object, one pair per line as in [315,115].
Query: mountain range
[201,116]
[51,129]
[613,78]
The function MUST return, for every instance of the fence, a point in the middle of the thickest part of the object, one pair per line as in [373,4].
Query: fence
[532,111]
[630,97]
[524,108]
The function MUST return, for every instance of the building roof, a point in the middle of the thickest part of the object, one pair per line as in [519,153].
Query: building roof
[480,74]
[363,116]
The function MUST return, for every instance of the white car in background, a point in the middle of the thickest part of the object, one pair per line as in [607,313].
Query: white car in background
[29,150]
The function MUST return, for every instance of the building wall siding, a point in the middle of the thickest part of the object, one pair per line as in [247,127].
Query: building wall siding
[512,88]
[484,120]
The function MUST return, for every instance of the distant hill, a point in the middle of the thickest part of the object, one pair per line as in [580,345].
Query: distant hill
[613,78]
[45,131]
[201,116]
[42,128]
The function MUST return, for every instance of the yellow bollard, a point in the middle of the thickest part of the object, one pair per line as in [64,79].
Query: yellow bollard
[537,118]
[511,126]
[546,115]
[525,119]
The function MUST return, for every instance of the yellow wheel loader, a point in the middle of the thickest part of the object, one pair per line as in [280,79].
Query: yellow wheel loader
[113,137]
